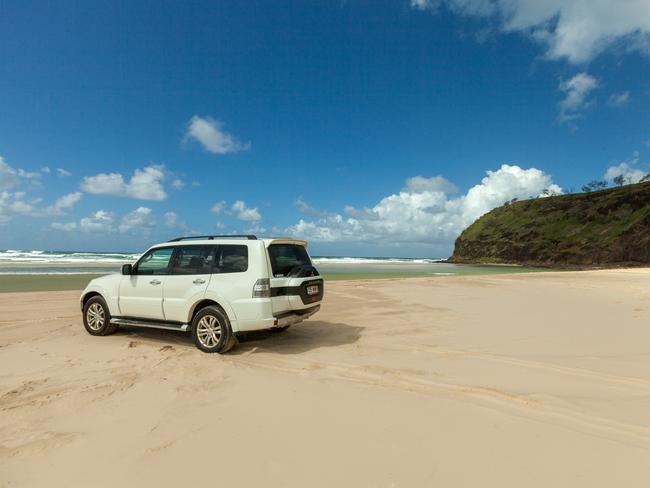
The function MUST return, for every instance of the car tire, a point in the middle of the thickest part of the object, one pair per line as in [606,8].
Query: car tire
[211,331]
[97,318]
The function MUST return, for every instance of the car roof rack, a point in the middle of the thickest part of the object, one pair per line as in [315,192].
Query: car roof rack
[250,237]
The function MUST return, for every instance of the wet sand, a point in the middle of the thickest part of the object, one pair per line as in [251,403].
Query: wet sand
[536,379]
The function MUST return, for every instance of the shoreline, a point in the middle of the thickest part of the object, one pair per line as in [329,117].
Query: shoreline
[59,281]
[26,283]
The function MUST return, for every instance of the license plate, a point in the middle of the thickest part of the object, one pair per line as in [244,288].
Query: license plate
[312,290]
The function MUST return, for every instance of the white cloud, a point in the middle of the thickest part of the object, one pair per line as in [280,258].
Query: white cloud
[576,90]
[63,173]
[218,207]
[178,184]
[64,226]
[171,219]
[627,171]
[45,170]
[426,216]
[242,212]
[307,209]
[16,204]
[101,222]
[29,175]
[63,203]
[575,30]
[424,4]
[418,184]
[140,220]
[618,99]
[145,184]
[10,177]
[210,133]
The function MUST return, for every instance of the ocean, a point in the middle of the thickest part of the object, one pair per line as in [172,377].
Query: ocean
[37,262]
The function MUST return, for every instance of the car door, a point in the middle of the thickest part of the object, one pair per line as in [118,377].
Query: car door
[188,278]
[141,292]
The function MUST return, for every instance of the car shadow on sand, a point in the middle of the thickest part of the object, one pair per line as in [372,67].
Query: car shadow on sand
[295,340]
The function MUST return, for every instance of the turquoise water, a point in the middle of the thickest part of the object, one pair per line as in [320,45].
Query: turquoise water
[20,262]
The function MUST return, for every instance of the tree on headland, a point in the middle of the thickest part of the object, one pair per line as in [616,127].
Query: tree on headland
[594,185]
[645,178]
[619,180]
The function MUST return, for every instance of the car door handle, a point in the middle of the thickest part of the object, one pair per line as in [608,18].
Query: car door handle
[155,282]
[198,281]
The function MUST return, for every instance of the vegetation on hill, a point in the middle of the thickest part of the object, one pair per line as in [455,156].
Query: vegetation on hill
[600,228]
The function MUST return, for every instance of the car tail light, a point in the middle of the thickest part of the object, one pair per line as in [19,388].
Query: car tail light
[262,288]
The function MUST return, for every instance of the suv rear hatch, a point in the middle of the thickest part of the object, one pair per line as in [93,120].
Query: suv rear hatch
[295,283]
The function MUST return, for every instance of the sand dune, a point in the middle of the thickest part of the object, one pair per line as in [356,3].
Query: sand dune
[510,380]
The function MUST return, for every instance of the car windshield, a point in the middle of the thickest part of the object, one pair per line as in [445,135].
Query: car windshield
[284,257]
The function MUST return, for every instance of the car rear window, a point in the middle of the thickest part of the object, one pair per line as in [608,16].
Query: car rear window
[284,257]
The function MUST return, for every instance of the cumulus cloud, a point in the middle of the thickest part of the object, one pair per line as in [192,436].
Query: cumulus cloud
[178,184]
[211,135]
[429,216]
[575,30]
[171,219]
[424,4]
[304,207]
[576,91]
[64,203]
[618,99]
[64,226]
[140,220]
[419,184]
[145,184]
[18,203]
[10,176]
[242,212]
[101,222]
[63,173]
[627,170]
[218,207]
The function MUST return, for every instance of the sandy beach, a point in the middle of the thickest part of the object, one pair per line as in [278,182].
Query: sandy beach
[532,380]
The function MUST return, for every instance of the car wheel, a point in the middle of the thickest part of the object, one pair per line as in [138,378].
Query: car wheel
[211,330]
[97,318]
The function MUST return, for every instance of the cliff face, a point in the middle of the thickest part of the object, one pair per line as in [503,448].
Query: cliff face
[604,228]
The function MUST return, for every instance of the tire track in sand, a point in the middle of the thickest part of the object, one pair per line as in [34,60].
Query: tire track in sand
[527,407]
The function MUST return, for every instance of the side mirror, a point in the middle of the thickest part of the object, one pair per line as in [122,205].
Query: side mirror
[127,269]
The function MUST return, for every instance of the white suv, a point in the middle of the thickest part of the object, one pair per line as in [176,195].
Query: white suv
[212,286]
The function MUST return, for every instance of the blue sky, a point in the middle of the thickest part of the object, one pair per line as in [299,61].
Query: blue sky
[309,118]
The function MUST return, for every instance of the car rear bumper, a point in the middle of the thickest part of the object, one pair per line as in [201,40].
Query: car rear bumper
[294,317]
[277,320]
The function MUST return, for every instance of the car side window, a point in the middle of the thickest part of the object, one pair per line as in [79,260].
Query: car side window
[193,260]
[231,259]
[155,262]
